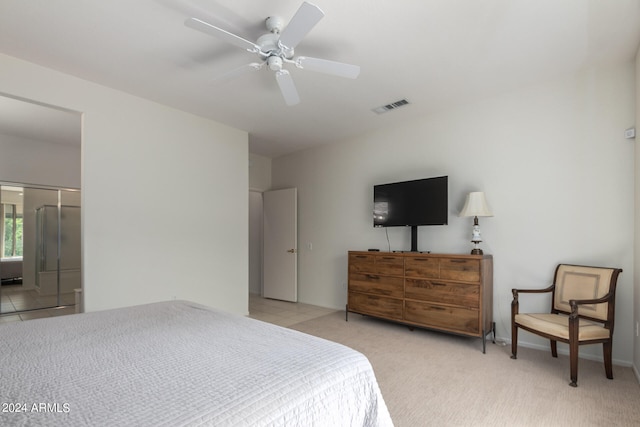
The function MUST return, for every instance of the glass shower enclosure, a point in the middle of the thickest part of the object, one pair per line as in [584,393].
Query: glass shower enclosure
[44,269]
[57,251]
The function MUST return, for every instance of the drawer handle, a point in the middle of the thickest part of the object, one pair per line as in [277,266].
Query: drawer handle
[387,257]
[438,284]
[372,277]
[459,261]
[361,256]
[420,259]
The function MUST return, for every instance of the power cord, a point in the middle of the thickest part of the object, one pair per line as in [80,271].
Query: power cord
[386,229]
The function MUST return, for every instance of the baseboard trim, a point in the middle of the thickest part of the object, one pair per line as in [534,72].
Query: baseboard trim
[565,352]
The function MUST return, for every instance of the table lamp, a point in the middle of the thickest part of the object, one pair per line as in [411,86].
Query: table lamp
[475,206]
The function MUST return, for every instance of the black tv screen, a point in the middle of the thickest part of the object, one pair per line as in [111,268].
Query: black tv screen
[411,203]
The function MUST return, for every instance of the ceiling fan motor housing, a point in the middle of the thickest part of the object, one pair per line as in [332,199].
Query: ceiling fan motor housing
[274,24]
[270,47]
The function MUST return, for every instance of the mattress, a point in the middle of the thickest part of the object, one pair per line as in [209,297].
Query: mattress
[180,364]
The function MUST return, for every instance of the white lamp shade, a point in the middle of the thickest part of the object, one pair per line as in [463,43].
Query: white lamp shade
[476,205]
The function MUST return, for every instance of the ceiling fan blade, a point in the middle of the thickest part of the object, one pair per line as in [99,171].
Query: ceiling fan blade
[307,16]
[214,13]
[288,89]
[224,35]
[238,72]
[339,69]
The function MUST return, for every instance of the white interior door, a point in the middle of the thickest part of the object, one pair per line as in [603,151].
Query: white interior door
[280,268]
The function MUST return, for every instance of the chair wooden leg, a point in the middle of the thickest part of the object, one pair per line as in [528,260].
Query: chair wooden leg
[514,340]
[607,349]
[573,361]
[554,348]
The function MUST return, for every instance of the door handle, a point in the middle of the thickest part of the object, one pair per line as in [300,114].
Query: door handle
[292,251]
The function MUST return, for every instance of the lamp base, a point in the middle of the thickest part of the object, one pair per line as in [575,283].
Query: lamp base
[476,251]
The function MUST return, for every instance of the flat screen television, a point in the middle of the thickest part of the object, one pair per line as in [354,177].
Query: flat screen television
[411,204]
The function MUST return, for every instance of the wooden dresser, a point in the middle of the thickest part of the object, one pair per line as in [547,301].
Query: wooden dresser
[446,292]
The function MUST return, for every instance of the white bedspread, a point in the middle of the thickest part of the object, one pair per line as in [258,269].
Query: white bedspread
[180,364]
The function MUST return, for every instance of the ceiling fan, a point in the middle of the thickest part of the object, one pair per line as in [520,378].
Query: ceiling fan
[276,48]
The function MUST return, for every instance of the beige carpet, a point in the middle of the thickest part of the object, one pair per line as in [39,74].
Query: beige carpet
[433,379]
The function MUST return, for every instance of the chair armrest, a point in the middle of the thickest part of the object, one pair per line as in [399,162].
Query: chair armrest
[574,303]
[515,305]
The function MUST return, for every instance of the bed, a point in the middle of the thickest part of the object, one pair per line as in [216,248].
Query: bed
[180,364]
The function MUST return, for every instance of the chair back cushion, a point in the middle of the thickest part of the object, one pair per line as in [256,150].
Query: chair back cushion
[582,282]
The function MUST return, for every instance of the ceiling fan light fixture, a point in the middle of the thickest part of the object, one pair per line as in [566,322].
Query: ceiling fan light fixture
[275,63]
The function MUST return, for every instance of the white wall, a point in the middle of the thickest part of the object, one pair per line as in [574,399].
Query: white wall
[255,242]
[37,162]
[552,160]
[636,258]
[259,172]
[259,181]
[141,242]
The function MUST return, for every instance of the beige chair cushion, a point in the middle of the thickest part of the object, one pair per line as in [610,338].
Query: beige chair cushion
[557,325]
[579,282]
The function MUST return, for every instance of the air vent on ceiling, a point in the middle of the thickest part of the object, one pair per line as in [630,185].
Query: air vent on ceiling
[391,106]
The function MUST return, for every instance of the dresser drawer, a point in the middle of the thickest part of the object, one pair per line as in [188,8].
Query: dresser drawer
[375,284]
[422,267]
[467,270]
[455,319]
[361,263]
[390,264]
[445,292]
[375,306]
[461,294]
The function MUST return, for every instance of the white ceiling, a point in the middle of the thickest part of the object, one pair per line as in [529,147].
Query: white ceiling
[37,122]
[434,53]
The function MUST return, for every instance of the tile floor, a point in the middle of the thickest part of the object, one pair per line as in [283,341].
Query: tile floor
[14,299]
[280,313]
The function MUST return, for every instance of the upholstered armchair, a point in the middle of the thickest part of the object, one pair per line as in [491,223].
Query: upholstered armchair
[582,312]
